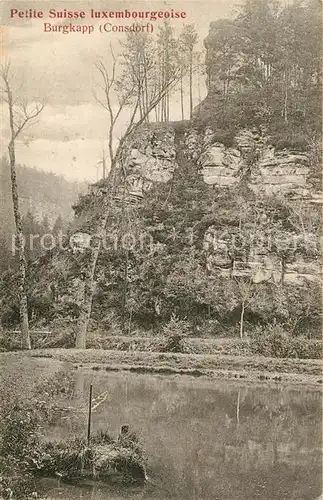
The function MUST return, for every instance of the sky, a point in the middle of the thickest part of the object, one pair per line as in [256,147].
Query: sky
[70,134]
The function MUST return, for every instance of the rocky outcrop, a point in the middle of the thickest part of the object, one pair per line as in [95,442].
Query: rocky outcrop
[151,158]
[251,159]
[283,172]
[302,270]
[220,165]
[256,255]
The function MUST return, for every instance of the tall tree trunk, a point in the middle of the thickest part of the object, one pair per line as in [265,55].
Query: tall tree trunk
[86,306]
[129,322]
[141,111]
[285,104]
[242,319]
[167,118]
[23,303]
[191,85]
[158,107]
[90,266]
[163,99]
[238,409]
[166,79]
[182,96]
[286,98]
[146,91]
[199,87]
[125,289]
[17,124]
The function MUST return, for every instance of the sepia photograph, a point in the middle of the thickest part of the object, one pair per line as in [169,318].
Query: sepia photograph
[160,250]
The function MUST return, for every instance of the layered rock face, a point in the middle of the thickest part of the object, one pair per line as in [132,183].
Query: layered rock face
[151,158]
[250,160]
[157,151]
[254,160]
[260,248]
[262,262]
[283,172]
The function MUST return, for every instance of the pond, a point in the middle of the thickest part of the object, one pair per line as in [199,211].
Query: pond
[205,439]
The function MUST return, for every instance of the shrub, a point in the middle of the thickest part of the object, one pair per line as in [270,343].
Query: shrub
[9,341]
[289,140]
[182,126]
[22,416]
[16,484]
[66,459]
[175,332]
[19,431]
[174,343]
[278,344]
[225,137]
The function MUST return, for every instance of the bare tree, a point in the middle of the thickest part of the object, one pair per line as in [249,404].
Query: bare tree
[246,292]
[139,61]
[127,94]
[20,116]
[188,40]
[167,53]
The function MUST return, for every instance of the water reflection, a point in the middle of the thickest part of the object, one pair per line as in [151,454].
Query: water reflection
[206,440]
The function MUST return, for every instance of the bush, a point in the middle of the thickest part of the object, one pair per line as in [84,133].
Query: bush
[19,432]
[278,344]
[66,459]
[10,341]
[16,484]
[289,140]
[225,137]
[22,417]
[175,332]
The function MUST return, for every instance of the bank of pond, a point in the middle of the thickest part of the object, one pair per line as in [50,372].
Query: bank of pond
[154,437]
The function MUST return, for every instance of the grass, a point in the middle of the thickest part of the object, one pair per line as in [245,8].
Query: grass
[249,368]
[266,344]
[104,458]
[159,343]
[226,358]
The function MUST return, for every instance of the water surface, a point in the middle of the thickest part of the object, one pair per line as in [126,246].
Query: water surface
[205,440]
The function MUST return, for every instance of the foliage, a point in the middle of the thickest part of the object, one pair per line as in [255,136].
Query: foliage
[175,331]
[102,459]
[190,226]
[255,77]
[67,459]
[25,410]
[263,68]
[19,439]
[290,140]
[275,342]
[49,194]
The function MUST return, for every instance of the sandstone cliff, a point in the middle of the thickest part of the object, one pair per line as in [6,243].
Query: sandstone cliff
[250,163]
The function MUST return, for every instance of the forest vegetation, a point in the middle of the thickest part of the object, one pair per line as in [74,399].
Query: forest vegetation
[263,71]
[150,301]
